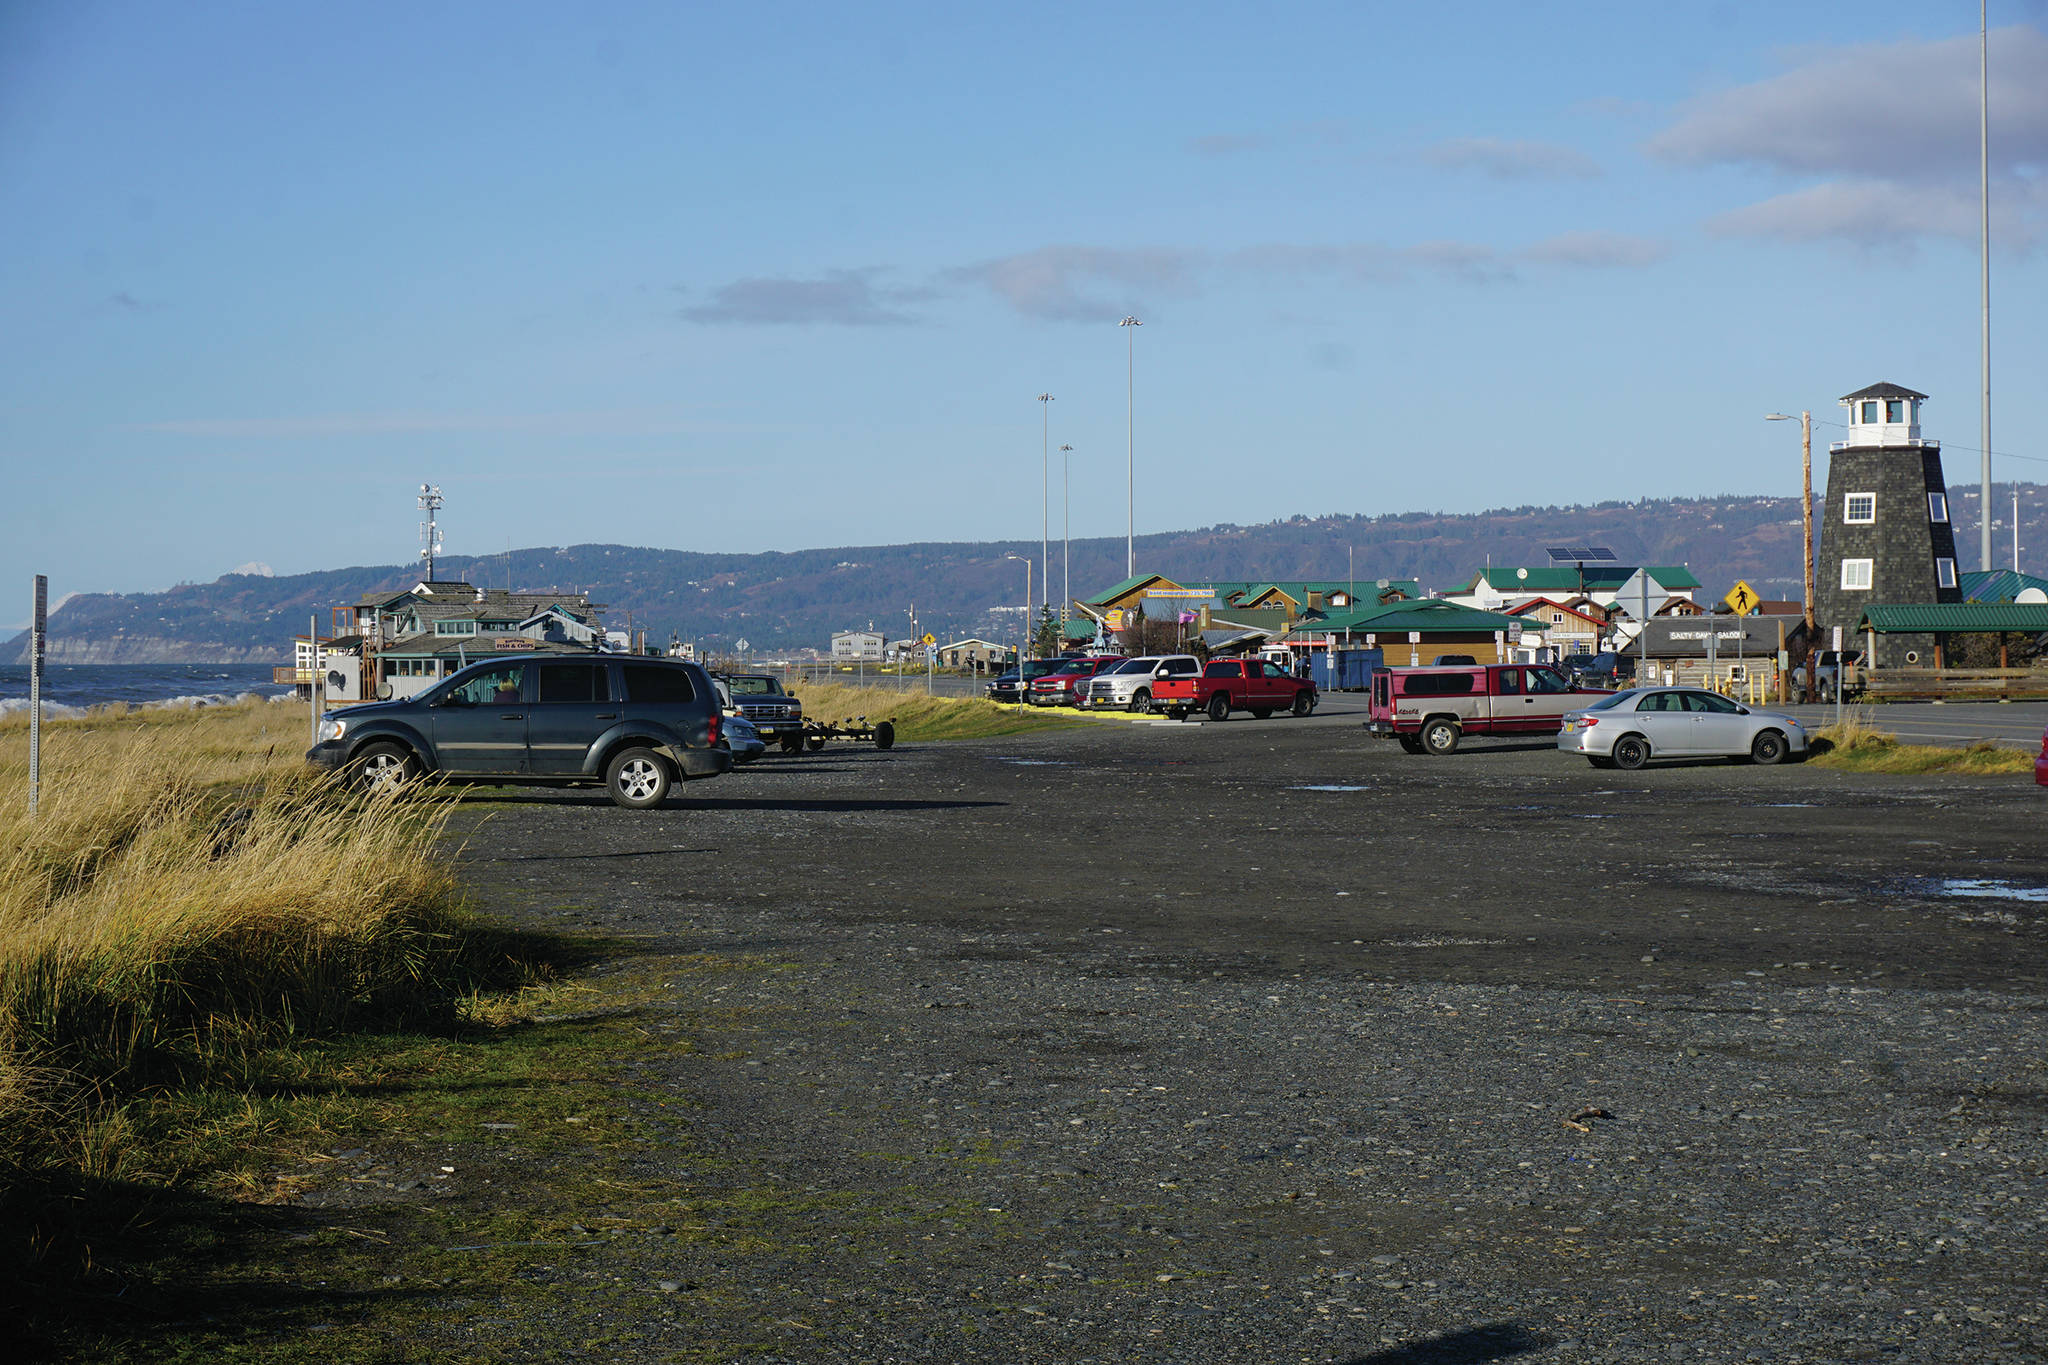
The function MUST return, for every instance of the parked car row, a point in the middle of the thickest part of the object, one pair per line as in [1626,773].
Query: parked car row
[1178,685]
[1431,710]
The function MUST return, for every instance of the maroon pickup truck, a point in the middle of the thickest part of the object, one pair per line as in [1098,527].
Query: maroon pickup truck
[1227,685]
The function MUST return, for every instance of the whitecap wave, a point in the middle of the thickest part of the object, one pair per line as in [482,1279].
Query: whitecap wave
[57,710]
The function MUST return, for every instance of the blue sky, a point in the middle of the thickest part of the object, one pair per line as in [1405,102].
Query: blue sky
[767,277]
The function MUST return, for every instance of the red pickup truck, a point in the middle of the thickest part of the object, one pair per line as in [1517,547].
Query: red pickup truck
[1227,685]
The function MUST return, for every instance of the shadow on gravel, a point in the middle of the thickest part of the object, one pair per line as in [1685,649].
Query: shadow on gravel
[572,857]
[1474,1345]
[827,807]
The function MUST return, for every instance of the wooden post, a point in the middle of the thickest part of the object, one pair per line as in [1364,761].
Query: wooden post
[1781,666]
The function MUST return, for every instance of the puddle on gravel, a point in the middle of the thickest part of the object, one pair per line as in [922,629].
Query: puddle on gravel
[1328,787]
[1036,762]
[1977,888]
[1788,805]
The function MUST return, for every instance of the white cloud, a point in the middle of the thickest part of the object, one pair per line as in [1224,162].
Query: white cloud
[1896,111]
[1505,159]
[838,298]
[1597,250]
[1081,283]
[1893,128]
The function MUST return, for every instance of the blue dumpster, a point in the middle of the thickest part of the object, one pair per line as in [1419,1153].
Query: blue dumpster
[1344,670]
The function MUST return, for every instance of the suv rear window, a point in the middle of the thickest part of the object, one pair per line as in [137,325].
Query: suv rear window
[1438,685]
[650,683]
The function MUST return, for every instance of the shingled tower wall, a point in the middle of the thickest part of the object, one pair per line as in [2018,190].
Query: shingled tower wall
[1885,532]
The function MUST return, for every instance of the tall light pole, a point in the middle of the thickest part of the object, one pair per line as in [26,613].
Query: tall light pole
[1806,520]
[1067,533]
[1045,495]
[1131,446]
[1024,635]
[1984,181]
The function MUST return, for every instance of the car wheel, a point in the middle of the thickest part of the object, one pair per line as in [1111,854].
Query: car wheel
[1219,706]
[1303,703]
[1261,712]
[637,779]
[384,768]
[1768,747]
[793,743]
[1141,700]
[1826,691]
[1631,752]
[814,742]
[1440,737]
[885,735]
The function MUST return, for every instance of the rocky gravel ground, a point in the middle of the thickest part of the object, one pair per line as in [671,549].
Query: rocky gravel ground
[1268,1042]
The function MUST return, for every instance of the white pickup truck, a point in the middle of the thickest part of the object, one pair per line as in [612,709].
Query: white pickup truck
[1128,686]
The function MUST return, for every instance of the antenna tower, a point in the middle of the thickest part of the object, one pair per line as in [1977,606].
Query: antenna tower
[430,534]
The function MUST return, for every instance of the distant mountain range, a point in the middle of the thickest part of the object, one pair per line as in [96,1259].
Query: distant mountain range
[785,601]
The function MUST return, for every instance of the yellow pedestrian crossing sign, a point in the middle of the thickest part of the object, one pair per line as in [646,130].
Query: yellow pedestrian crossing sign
[1743,599]
[929,639]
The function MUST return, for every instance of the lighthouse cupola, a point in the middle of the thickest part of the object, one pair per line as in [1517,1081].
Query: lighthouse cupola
[1884,415]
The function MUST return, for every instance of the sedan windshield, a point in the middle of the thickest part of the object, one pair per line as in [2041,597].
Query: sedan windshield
[1610,703]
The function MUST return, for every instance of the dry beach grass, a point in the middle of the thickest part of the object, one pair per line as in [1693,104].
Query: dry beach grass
[190,898]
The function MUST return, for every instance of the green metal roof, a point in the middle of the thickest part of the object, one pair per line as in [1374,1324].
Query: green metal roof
[1998,585]
[1111,594]
[1953,618]
[1427,617]
[1566,578]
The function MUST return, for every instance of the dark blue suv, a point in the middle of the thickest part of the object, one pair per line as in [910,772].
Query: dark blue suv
[637,725]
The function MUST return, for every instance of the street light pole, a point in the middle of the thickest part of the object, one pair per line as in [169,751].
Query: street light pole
[1045,494]
[1067,532]
[1806,520]
[1130,446]
[1024,636]
[1984,174]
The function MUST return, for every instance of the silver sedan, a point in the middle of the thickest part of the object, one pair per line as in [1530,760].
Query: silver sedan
[1630,728]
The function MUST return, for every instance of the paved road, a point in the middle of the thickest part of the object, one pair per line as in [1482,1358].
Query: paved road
[2016,724]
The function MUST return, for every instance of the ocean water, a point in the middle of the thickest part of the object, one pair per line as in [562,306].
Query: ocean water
[70,688]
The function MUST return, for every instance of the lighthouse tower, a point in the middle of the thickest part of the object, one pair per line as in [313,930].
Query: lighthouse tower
[1885,533]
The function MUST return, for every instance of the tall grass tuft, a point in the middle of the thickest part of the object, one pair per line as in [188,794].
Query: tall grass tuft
[191,895]
[1857,745]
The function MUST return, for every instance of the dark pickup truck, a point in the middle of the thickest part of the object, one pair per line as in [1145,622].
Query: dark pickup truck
[776,714]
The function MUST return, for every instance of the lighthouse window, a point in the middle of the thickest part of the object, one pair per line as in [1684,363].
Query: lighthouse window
[1856,573]
[1859,509]
[1870,410]
[1937,507]
[1945,572]
[1894,410]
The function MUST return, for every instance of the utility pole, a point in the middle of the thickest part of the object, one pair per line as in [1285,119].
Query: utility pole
[1984,179]
[1806,520]
[39,629]
[1131,446]
[1045,496]
[1066,531]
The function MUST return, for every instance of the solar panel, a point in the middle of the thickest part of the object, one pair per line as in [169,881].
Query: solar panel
[1580,554]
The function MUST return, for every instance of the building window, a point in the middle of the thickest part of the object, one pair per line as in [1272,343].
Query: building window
[1870,410]
[1856,574]
[1945,572]
[1557,618]
[454,627]
[1937,507]
[1894,410]
[1859,509]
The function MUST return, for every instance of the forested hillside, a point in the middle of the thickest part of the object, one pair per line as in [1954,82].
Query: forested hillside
[781,601]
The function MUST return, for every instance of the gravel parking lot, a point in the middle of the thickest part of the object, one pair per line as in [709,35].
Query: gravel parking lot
[1266,1041]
